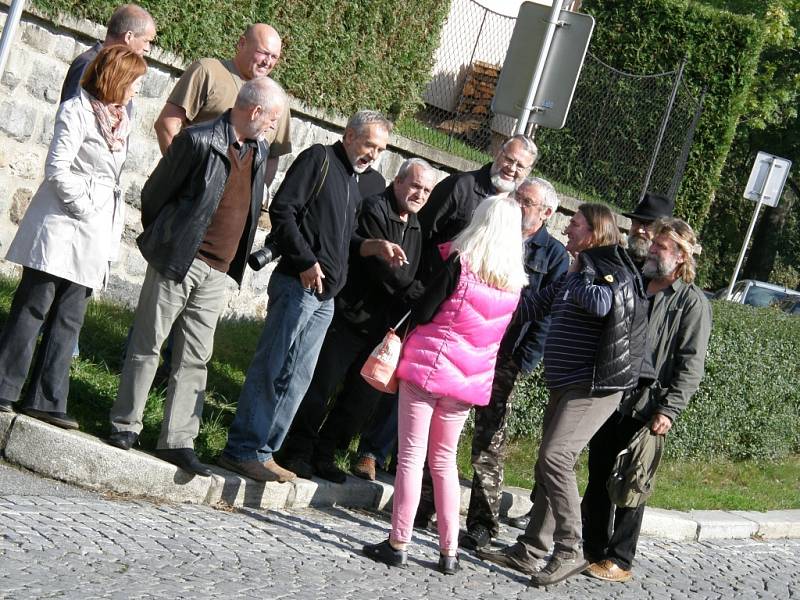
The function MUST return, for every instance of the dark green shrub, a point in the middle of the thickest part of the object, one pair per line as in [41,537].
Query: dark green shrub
[722,51]
[338,55]
[748,405]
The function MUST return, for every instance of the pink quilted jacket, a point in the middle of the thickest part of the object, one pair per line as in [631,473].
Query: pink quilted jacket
[454,354]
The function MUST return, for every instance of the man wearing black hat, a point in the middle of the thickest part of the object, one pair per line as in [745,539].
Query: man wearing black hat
[650,208]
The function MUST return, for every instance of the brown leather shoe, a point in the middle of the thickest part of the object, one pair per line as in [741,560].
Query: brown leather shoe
[365,468]
[283,475]
[608,571]
[254,469]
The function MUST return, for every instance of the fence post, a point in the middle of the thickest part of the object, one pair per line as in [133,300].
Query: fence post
[469,66]
[675,184]
[663,128]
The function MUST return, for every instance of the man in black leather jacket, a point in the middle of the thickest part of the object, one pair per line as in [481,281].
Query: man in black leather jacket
[200,210]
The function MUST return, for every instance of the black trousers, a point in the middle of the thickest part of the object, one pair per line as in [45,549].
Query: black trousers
[343,353]
[609,532]
[56,307]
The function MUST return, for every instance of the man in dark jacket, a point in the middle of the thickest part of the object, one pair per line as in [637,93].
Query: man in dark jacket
[313,220]
[677,334]
[546,260]
[373,299]
[130,25]
[453,200]
[200,210]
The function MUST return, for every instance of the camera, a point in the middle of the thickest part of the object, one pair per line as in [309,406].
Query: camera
[260,258]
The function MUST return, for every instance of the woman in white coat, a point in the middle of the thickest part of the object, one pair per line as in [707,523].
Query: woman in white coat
[69,235]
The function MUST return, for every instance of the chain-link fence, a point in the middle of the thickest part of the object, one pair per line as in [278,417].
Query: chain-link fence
[625,133]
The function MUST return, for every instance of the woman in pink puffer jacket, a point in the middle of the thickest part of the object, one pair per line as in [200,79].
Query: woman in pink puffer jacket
[447,367]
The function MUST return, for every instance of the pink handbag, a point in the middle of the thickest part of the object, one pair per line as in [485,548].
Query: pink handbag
[380,368]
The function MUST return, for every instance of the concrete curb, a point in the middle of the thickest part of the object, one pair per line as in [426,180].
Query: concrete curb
[84,460]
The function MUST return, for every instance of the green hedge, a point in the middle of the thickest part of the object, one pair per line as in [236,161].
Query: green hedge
[339,55]
[748,405]
[722,50]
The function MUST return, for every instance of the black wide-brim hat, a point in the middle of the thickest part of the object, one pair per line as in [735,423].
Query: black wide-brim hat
[652,207]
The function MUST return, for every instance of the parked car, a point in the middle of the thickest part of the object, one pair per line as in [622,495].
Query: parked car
[790,304]
[757,293]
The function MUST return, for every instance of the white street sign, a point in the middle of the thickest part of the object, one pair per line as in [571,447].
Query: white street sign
[767,179]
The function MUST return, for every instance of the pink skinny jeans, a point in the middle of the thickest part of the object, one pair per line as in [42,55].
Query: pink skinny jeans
[427,424]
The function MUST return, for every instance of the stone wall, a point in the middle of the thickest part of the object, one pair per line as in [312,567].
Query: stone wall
[29,91]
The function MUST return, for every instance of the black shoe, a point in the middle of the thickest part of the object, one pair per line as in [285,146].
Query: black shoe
[448,565]
[476,538]
[186,459]
[384,553]
[298,466]
[520,522]
[560,567]
[6,406]
[124,440]
[328,470]
[59,419]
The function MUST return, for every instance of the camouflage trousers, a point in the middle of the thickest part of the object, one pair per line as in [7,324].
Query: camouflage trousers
[489,442]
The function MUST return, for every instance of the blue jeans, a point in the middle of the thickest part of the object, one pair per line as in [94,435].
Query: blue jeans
[380,440]
[281,369]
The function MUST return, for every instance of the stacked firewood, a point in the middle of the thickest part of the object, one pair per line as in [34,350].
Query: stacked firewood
[474,107]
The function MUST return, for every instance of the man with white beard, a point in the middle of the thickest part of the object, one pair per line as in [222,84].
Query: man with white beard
[453,200]
[677,335]
[314,223]
[650,208]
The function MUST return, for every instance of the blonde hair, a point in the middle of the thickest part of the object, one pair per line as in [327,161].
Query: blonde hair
[601,221]
[491,245]
[685,239]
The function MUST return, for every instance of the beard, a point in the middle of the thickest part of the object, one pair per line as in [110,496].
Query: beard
[638,248]
[503,186]
[659,269]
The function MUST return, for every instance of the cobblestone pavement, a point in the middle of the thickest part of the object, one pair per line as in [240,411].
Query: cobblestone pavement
[83,545]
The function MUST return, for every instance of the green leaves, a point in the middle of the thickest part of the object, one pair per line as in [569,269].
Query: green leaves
[748,406]
[337,55]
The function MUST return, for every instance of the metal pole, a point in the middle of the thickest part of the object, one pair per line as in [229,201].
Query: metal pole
[525,113]
[663,129]
[9,29]
[687,146]
[749,231]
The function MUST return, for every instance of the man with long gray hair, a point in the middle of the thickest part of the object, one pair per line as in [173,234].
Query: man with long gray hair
[200,210]
[677,335]
[314,224]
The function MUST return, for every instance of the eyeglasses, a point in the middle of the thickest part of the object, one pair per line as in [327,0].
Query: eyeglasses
[517,165]
[526,202]
[269,55]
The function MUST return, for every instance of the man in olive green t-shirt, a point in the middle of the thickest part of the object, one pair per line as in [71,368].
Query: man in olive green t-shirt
[209,87]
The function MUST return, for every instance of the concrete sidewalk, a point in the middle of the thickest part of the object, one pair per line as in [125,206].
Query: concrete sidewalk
[85,460]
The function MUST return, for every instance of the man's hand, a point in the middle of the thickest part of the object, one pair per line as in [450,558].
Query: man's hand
[312,278]
[660,424]
[388,251]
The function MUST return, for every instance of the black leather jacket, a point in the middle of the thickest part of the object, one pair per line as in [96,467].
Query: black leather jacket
[623,342]
[183,193]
